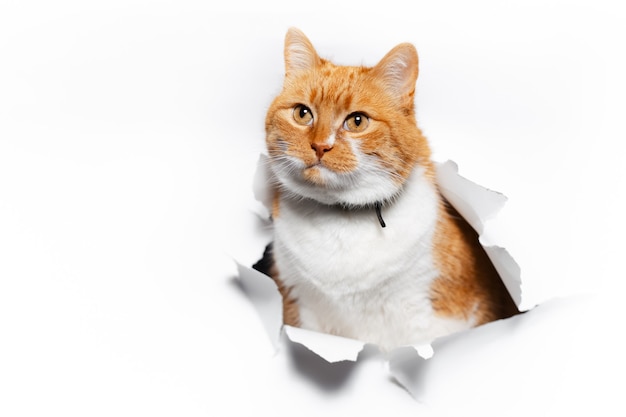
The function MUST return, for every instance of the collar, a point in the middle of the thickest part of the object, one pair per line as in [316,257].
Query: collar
[377,207]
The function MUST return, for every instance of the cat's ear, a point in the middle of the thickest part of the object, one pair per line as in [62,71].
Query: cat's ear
[299,53]
[398,70]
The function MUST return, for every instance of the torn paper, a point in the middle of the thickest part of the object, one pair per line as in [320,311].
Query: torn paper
[330,347]
[475,203]
[262,292]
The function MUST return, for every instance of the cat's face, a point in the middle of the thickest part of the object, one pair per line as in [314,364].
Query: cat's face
[344,135]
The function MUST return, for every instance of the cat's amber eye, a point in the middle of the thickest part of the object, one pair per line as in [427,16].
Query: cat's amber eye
[356,122]
[302,115]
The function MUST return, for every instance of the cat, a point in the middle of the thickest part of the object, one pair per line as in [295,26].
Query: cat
[364,244]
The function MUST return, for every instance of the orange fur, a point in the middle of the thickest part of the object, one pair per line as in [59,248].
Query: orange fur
[276,204]
[337,90]
[468,284]
[291,315]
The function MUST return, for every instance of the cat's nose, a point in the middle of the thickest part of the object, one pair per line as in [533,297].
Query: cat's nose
[320,149]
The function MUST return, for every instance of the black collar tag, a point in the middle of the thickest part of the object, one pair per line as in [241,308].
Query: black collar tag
[377,206]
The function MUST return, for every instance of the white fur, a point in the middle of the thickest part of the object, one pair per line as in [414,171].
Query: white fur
[353,278]
[299,53]
[330,141]
[397,69]
[367,184]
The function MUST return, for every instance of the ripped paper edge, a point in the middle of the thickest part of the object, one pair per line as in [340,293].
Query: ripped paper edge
[475,203]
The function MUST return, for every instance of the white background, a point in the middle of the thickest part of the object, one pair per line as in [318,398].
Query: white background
[129,134]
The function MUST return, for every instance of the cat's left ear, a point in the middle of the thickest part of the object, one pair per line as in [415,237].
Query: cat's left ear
[398,70]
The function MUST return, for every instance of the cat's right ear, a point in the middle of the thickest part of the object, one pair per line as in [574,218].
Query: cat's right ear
[299,53]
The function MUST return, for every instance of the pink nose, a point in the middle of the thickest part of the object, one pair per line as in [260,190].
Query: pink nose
[320,149]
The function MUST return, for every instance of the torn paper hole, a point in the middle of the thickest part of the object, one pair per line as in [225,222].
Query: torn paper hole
[475,203]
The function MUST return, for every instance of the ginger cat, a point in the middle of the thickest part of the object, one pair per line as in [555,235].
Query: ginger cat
[364,244]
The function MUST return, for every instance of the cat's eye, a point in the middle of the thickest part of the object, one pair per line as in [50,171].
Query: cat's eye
[356,122]
[302,115]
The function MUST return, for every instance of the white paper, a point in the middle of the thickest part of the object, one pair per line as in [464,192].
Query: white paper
[330,347]
[264,295]
[477,205]
[260,187]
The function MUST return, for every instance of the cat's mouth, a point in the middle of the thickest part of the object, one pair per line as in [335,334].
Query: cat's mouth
[319,166]
[317,163]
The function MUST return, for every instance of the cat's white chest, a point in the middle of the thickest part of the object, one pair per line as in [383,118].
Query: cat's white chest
[352,277]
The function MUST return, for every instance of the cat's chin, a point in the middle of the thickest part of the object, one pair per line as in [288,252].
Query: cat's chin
[341,196]
[358,188]
[332,200]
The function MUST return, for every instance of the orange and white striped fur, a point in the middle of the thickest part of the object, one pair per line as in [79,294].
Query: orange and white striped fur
[364,244]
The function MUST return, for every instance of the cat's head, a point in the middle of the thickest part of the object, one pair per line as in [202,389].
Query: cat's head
[341,134]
